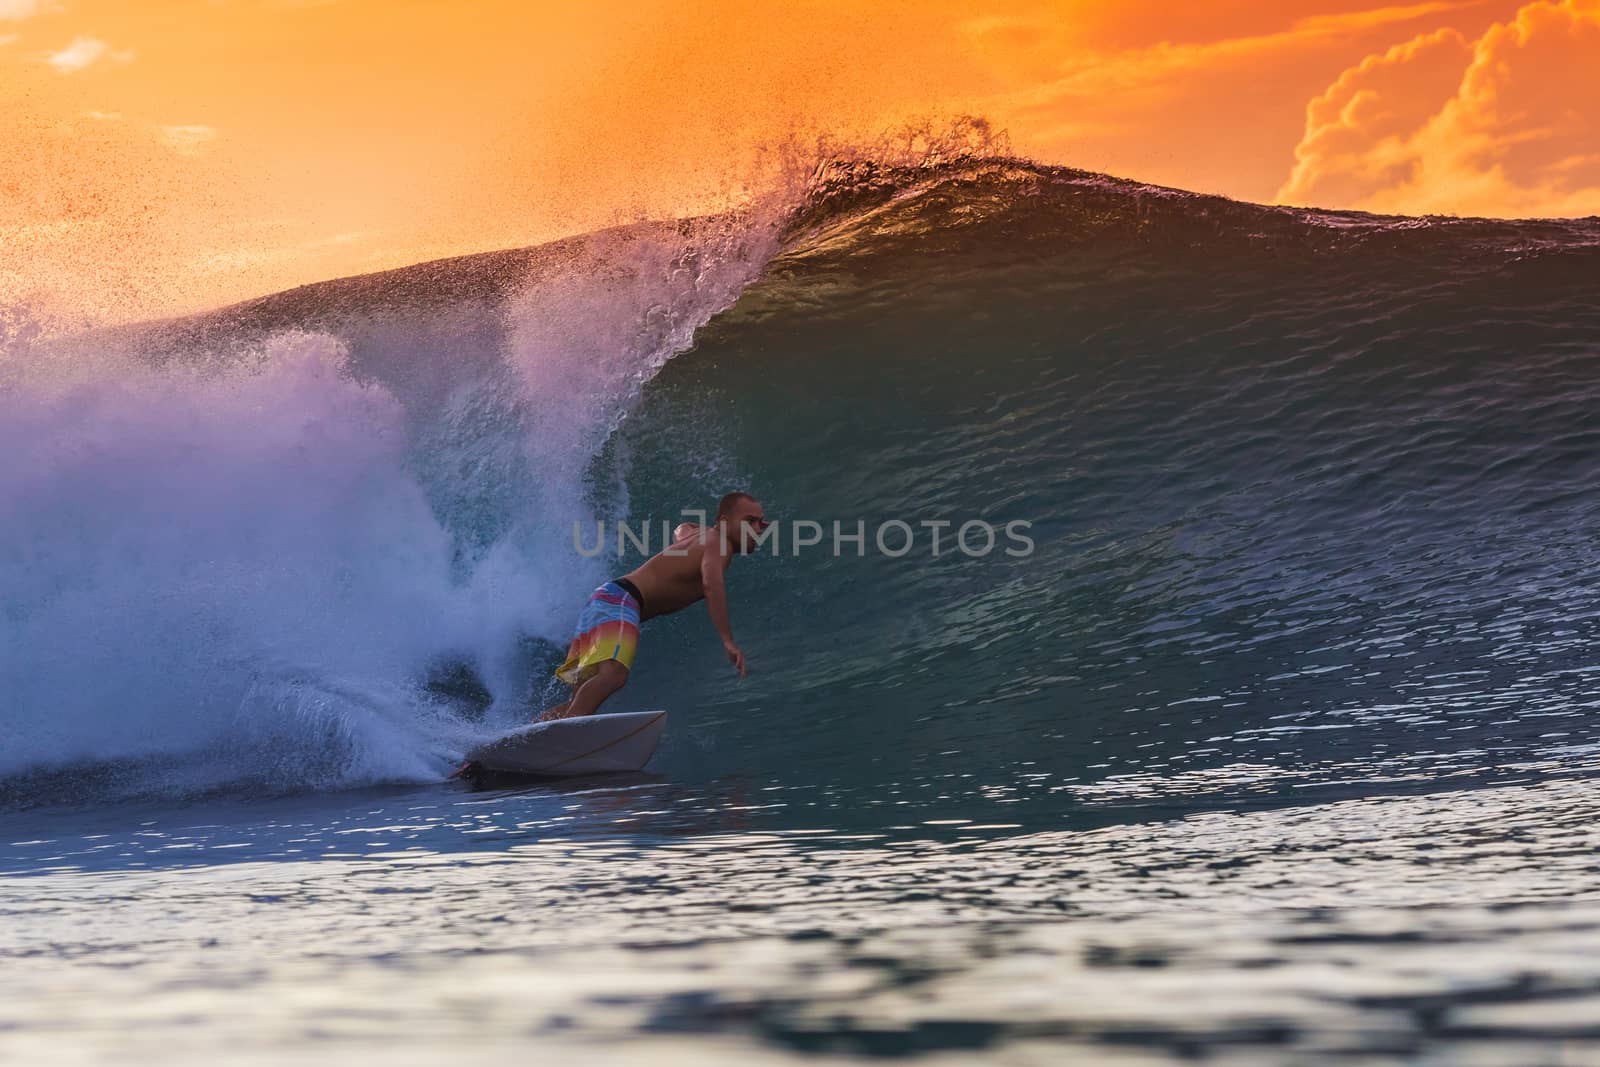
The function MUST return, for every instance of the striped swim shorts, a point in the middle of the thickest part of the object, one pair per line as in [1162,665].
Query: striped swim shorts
[608,629]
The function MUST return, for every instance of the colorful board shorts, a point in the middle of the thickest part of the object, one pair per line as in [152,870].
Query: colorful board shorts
[607,629]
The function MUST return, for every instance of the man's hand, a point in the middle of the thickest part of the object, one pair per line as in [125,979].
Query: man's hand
[735,656]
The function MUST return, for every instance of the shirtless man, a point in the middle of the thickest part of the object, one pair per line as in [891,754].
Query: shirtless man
[691,568]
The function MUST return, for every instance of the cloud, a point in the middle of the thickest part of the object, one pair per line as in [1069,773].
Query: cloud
[1507,125]
[17,10]
[84,52]
[1357,131]
[7,38]
[186,140]
[1356,21]
[1092,73]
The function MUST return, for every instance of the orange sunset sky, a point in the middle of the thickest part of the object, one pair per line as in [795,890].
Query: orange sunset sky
[166,155]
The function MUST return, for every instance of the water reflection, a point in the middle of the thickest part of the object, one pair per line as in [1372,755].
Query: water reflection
[1390,927]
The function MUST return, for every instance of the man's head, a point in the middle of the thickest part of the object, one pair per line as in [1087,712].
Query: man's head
[741,515]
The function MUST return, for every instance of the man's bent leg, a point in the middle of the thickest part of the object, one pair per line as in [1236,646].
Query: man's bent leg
[606,680]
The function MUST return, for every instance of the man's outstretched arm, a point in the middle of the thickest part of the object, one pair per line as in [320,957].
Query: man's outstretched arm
[713,564]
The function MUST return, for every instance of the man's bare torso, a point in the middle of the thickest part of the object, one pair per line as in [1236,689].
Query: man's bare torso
[670,580]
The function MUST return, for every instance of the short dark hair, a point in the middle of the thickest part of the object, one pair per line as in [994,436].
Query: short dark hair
[732,500]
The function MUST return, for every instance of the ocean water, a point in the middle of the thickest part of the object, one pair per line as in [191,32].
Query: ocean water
[1278,745]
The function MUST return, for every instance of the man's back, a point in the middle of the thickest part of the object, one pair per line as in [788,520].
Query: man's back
[670,580]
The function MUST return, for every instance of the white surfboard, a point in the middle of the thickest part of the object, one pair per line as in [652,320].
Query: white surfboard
[593,744]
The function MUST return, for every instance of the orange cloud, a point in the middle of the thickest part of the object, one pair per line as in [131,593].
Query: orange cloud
[17,10]
[1208,97]
[1507,125]
[1093,73]
[84,52]
[1358,132]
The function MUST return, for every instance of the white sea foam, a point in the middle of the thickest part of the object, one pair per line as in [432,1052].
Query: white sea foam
[251,556]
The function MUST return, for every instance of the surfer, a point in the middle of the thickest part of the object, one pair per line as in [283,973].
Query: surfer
[688,570]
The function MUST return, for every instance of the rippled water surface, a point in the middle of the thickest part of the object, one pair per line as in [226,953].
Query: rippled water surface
[641,923]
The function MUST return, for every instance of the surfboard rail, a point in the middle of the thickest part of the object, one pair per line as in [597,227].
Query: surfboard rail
[593,744]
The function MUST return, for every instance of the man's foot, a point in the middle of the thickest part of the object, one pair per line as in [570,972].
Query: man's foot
[557,712]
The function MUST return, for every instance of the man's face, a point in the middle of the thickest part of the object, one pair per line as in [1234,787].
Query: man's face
[750,520]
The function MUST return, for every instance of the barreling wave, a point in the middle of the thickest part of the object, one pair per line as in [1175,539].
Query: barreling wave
[1311,493]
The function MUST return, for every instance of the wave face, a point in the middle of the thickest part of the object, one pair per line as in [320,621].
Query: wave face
[1311,499]
[324,538]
